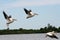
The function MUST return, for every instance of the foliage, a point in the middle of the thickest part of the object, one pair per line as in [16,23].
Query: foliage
[48,28]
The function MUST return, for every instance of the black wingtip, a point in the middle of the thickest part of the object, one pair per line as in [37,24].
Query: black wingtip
[5,15]
[3,12]
[56,37]
[25,9]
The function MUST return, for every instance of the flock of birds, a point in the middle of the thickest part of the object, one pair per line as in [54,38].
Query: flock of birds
[11,20]
[29,15]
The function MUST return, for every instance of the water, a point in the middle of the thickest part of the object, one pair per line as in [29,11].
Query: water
[27,37]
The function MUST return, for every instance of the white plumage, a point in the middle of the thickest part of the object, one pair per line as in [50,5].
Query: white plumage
[8,18]
[29,13]
[51,34]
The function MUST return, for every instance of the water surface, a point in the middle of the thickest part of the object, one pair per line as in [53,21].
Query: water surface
[28,37]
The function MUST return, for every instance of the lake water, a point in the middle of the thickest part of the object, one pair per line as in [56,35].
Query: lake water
[28,37]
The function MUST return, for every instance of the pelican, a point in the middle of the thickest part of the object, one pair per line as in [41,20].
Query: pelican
[51,34]
[29,13]
[8,18]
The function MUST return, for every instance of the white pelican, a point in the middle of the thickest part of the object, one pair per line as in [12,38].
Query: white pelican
[51,34]
[29,13]
[8,18]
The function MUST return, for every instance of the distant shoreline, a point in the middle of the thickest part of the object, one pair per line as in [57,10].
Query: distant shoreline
[49,28]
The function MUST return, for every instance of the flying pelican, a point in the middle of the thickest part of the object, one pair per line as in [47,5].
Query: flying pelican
[8,18]
[29,13]
[51,34]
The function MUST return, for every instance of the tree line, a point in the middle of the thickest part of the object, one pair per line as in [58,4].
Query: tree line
[47,28]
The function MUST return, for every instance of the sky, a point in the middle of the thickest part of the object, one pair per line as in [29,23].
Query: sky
[48,10]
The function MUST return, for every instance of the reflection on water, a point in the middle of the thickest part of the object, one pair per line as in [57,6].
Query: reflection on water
[27,37]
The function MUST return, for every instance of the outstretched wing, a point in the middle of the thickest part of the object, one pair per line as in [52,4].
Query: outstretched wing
[26,11]
[5,15]
[55,36]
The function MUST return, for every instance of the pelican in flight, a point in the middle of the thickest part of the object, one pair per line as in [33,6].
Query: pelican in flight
[8,18]
[29,13]
[51,34]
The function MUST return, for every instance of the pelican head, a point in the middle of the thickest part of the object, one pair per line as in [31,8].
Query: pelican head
[29,16]
[35,14]
[14,20]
